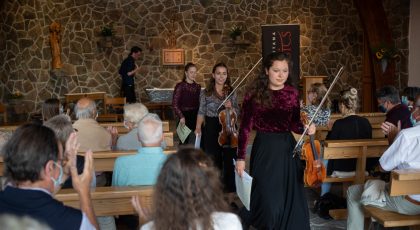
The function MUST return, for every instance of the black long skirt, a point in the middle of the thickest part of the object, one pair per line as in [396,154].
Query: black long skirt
[190,121]
[222,156]
[278,199]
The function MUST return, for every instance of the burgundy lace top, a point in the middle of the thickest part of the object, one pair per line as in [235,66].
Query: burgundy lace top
[283,116]
[186,97]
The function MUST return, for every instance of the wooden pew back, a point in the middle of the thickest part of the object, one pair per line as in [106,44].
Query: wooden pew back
[374,118]
[103,161]
[359,149]
[110,201]
[322,132]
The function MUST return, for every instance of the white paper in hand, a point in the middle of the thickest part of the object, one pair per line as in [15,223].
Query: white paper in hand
[243,188]
[197,141]
[183,131]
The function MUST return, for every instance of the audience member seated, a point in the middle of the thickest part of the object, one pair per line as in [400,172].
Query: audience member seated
[50,108]
[63,128]
[35,167]
[91,135]
[142,168]
[133,113]
[350,126]
[316,92]
[94,137]
[390,103]
[409,95]
[188,195]
[402,154]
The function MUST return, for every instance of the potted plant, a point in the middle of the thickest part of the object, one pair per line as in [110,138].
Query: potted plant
[235,32]
[107,32]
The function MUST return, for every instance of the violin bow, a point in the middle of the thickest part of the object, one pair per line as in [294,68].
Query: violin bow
[236,87]
[317,109]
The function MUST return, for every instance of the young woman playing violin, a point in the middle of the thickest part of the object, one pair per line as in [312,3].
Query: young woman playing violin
[208,113]
[272,108]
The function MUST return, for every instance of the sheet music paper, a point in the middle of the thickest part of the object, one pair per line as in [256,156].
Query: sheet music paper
[243,187]
[197,141]
[183,131]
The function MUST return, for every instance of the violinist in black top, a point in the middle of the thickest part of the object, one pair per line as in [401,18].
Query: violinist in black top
[208,114]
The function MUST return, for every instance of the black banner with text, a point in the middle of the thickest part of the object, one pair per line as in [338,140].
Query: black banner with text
[283,38]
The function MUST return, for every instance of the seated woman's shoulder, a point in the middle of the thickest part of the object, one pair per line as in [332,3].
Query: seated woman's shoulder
[226,220]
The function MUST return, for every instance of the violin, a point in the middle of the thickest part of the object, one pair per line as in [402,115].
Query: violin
[228,118]
[315,171]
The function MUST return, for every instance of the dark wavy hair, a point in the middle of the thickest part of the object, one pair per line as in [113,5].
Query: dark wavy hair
[259,89]
[188,190]
[187,67]
[28,151]
[210,89]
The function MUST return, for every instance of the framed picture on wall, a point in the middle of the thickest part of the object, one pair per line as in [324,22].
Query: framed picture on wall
[173,57]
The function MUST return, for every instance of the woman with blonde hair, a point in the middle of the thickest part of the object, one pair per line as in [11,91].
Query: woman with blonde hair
[351,126]
[188,195]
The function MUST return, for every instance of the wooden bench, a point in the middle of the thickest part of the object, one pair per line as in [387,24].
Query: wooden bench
[361,149]
[110,201]
[104,161]
[122,130]
[403,182]
[322,132]
[374,118]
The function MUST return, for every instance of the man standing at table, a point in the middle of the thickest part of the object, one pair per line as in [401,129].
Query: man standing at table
[128,71]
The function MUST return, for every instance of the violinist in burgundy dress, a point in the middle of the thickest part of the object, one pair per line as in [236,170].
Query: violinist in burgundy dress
[208,114]
[271,107]
[186,100]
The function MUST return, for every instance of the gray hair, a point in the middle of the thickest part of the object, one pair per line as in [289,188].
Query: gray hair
[62,127]
[389,93]
[8,221]
[150,129]
[85,112]
[134,112]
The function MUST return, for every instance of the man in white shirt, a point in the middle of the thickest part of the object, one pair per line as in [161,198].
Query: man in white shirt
[402,154]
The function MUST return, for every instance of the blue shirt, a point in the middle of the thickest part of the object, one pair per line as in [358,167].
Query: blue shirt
[140,169]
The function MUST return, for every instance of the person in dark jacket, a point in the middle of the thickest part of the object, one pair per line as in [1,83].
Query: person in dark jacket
[35,168]
[128,71]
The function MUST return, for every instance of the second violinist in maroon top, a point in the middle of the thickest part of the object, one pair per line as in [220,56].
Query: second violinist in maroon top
[186,100]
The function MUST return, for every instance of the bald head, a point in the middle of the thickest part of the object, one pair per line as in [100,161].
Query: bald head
[85,109]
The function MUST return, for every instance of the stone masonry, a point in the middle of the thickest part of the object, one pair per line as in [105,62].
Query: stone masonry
[331,36]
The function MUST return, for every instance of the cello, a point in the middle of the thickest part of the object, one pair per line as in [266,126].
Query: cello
[227,119]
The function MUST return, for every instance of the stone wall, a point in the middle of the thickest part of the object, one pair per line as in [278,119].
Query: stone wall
[331,36]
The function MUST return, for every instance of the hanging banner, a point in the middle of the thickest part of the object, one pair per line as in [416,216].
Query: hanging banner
[283,38]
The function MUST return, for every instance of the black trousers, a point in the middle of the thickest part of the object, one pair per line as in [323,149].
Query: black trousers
[129,93]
